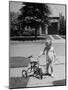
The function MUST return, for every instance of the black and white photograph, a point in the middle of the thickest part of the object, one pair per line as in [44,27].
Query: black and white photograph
[37,44]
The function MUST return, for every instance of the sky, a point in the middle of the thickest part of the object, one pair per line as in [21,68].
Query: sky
[55,9]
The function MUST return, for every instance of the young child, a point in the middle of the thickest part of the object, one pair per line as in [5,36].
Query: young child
[50,55]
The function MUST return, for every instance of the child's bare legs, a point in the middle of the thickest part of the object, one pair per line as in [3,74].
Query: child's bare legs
[47,68]
[51,66]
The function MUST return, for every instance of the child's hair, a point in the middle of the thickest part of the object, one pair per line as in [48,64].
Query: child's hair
[48,42]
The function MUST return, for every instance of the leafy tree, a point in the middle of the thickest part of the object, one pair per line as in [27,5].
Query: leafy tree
[34,15]
[14,24]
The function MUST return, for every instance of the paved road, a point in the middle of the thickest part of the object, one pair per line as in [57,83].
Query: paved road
[27,48]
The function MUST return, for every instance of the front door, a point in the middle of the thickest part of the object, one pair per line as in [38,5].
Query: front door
[53,28]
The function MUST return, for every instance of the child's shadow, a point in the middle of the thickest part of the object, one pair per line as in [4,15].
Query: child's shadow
[44,74]
[37,76]
[47,74]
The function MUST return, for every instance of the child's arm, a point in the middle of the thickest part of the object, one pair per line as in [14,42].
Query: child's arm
[42,53]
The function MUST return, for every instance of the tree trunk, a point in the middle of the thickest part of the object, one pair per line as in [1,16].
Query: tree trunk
[46,29]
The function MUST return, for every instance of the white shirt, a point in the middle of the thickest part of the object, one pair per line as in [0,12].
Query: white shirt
[51,54]
[47,56]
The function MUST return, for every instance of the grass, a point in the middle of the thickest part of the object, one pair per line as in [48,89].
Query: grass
[25,39]
[55,37]
[15,62]
[28,38]
[63,36]
[18,82]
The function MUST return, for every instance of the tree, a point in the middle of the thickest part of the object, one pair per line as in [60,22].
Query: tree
[34,15]
[13,23]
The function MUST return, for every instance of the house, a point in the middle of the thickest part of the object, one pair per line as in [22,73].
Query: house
[52,28]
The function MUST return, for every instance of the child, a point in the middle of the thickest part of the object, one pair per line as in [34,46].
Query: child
[50,54]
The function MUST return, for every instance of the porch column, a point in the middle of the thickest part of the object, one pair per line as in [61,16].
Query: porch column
[46,29]
[40,30]
[58,26]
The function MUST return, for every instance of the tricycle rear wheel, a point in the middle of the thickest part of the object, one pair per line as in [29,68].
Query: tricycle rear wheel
[24,73]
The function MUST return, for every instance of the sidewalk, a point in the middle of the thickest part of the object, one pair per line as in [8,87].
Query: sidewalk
[27,48]
[59,75]
[16,72]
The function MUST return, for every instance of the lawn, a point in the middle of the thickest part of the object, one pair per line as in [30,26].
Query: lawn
[15,62]
[18,82]
[29,38]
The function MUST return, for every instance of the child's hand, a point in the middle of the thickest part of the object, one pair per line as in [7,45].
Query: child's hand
[39,56]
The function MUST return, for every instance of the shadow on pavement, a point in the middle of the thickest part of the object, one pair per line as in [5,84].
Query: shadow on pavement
[59,82]
[18,82]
